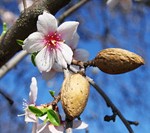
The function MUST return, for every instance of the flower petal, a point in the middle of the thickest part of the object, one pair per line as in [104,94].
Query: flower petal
[29,116]
[60,59]
[67,30]
[45,60]
[47,23]
[34,42]
[79,124]
[57,67]
[49,75]
[55,129]
[66,52]
[81,54]
[33,91]
[72,43]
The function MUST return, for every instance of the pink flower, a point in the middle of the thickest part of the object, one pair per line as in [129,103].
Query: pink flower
[50,41]
[78,54]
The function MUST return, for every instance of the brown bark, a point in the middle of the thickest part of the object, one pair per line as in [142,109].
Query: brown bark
[25,25]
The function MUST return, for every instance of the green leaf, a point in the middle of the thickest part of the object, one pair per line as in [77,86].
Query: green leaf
[36,111]
[20,42]
[33,55]
[52,93]
[53,117]
[4,28]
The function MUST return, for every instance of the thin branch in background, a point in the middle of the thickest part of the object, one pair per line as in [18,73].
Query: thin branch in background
[16,59]
[10,101]
[71,10]
[110,104]
[12,62]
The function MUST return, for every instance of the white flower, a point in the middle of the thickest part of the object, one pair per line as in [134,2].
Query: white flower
[78,54]
[49,128]
[29,116]
[125,4]
[50,41]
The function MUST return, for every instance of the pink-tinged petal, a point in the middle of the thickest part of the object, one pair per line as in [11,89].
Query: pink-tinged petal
[47,23]
[66,52]
[29,116]
[81,54]
[33,91]
[44,60]
[112,3]
[54,129]
[49,75]
[79,124]
[72,43]
[67,30]
[34,42]
[60,59]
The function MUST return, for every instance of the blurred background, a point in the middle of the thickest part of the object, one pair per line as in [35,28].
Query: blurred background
[99,28]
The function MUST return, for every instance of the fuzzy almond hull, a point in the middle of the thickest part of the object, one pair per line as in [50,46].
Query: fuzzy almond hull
[117,61]
[74,95]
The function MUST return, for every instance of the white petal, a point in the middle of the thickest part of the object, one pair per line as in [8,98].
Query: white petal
[67,30]
[81,54]
[79,124]
[72,43]
[60,59]
[112,3]
[55,129]
[34,42]
[29,116]
[49,75]
[33,91]
[66,52]
[47,23]
[45,59]
[57,67]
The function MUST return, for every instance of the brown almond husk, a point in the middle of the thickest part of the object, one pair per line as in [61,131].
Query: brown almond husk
[74,95]
[117,61]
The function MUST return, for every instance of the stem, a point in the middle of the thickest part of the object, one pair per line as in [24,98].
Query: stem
[115,110]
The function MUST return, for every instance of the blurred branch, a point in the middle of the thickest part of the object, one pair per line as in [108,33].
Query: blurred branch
[71,10]
[16,59]
[109,103]
[12,62]
[25,25]
[10,101]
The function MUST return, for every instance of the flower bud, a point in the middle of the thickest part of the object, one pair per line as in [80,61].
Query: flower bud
[74,95]
[117,61]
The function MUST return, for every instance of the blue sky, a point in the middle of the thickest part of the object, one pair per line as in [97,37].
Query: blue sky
[129,91]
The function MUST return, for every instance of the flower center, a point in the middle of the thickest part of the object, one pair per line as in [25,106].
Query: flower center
[52,40]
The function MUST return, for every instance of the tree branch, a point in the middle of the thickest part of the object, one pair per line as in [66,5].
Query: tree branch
[25,25]
[109,103]
[12,62]
[9,65]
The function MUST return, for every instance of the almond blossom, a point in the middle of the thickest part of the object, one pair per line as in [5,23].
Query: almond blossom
[50,41]
[78,54]
[29,116]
